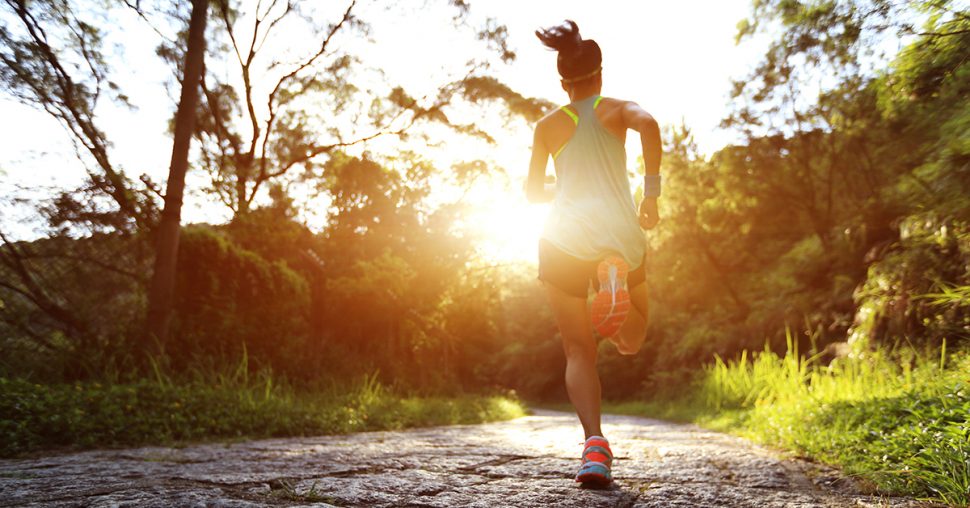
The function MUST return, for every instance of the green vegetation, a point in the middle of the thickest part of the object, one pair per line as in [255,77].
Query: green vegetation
[896,418]
[839,220]
[830,217]
[388,281]
[844,216]
[165,412]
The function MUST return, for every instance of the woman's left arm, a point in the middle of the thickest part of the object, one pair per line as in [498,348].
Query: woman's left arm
[634,117]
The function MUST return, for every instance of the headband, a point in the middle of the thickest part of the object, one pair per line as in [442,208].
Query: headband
[584,76]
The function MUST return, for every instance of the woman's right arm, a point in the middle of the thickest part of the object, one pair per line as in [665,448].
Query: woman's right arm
[535,185]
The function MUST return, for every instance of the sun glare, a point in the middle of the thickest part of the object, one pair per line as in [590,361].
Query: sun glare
[510,229]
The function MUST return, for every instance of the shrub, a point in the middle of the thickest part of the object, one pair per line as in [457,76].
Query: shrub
[228,298]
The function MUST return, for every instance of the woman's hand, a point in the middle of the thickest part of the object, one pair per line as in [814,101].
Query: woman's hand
[648,213]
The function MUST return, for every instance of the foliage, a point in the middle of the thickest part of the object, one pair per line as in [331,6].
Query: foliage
[899,418]
[315,101]
[261,147]
[53,59]
[840,214]
[68,306]
[901,422]
[229,300]
[838,210]
[897,298]
[524,351]
[167,411]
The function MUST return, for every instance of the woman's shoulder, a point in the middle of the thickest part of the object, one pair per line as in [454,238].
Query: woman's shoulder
[555,113]
[556,118]
[613,103]
[618,110]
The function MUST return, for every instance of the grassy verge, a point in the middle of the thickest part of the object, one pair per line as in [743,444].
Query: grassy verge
[901,419]
[164,412]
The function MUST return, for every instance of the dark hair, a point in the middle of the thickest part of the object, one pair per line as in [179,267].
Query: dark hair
[577,57]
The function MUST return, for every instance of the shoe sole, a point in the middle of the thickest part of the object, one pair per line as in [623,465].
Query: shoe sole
[612,302]
[595,478]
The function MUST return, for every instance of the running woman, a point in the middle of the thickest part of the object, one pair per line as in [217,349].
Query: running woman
[593,233]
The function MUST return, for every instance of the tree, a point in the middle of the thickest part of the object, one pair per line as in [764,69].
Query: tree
[822,216]
[167,234]
[278,120]
[53,60]
[66,297]
[821,44]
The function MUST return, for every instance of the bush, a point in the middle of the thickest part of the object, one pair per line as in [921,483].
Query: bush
[228,298]
[900,419]
[163,412]
[930,256]
[95,282]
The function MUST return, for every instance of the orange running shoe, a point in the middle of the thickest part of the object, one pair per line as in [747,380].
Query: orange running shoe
[612,303]
[597,462]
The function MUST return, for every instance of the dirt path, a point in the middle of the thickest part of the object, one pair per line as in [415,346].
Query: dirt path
[527,462]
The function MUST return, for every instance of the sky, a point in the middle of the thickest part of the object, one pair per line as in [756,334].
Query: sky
[674,58]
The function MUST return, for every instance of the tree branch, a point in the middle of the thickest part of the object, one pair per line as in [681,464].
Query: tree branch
[15,260]
[271,99]
[76,117]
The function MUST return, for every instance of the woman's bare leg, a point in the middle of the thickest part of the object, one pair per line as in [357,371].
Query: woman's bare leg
[634,330]
[582,380]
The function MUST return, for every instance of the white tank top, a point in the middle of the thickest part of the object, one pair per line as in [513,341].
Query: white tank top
[593,214]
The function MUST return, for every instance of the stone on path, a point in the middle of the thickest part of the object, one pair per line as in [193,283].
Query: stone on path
[528,462]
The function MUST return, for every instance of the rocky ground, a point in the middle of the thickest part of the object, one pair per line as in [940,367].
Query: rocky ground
[527,462]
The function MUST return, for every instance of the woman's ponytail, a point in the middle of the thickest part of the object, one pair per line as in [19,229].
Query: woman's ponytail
[579,59]
[563,38]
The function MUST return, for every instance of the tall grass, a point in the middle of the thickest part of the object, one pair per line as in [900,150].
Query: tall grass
[227,403]
[900,419]
[768,379]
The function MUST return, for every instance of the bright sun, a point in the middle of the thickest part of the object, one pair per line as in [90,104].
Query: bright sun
[510,228]
[504,225]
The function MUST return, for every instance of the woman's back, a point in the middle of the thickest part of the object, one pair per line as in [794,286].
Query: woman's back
[593,213]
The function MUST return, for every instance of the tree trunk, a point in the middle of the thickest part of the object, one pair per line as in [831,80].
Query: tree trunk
[161,293]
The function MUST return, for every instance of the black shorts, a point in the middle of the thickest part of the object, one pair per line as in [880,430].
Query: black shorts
[574,275]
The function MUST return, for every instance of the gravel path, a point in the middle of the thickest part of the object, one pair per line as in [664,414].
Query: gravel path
[526,462]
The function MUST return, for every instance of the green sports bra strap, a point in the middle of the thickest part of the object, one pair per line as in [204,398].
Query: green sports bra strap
[565,109]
